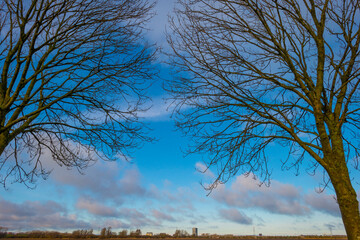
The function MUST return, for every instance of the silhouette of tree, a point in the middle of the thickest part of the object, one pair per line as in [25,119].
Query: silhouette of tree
[181,233]
[3,231]
[136,233]
[73,75]
[103,233]
[123,233]
[259,72]
[82,233]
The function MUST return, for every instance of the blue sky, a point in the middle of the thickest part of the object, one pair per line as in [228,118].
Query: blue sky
[160,190]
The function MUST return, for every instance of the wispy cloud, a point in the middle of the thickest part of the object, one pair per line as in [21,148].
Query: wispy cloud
[158,110]
[202,168]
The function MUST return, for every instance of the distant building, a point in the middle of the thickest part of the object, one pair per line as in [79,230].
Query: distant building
[150,234]
[195,232]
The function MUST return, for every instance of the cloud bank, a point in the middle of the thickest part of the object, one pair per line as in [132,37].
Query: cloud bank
[31,215]
[279,198]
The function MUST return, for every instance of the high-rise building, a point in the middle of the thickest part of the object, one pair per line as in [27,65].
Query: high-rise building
[195,232]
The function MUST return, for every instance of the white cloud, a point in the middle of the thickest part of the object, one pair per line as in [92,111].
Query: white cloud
[159,110]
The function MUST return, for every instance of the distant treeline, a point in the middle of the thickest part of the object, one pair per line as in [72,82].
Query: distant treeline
[106,233]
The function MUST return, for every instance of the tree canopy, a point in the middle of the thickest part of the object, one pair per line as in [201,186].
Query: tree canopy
[253,73]
[73,75]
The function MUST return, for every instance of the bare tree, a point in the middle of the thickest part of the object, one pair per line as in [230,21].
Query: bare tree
[257,72]
[123,233]
[3,231]
[73,75]
[180,233]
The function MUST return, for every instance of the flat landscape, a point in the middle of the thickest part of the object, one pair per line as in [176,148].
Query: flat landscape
[235,238]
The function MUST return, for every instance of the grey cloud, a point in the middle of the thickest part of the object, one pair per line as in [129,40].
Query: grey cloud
[131,213]
[37,215]
[116,217]
[136,218]
[28,208]
[104,180]
[324,203]
[179,200]
[279,198]
[158,22]
[130,183]
[96,208]
[279,204]
[116,224]
[162,216]
[235,215]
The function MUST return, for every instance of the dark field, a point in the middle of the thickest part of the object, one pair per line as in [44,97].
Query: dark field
[235,238]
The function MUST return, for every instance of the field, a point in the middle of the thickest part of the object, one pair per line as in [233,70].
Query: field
[200,238]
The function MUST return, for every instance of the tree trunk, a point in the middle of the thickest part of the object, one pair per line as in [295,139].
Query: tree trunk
[346,198]
[4,141]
